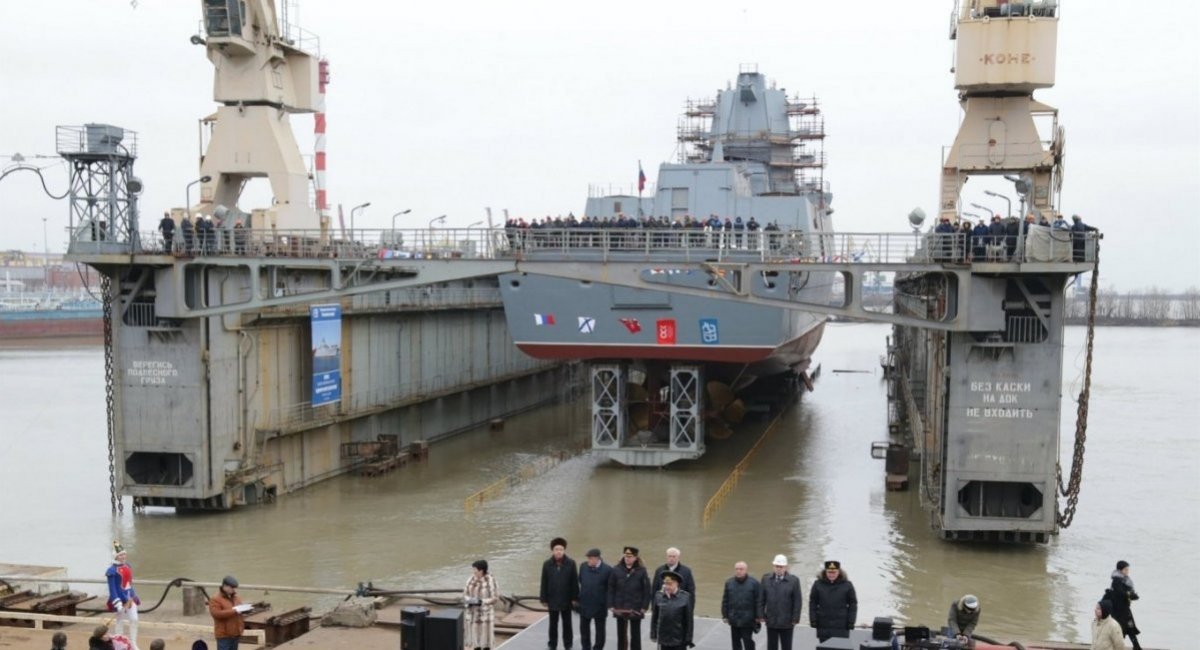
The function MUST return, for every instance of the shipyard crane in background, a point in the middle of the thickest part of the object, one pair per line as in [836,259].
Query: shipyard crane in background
[1004,51]
[263,72]
[981,408]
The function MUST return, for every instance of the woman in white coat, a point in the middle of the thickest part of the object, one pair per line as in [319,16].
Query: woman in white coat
[480,596]
[1106,631]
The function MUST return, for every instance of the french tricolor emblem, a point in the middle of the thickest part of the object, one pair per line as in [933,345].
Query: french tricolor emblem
[543,319]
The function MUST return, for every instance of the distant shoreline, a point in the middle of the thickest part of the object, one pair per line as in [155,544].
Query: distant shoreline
[1136,322]
[1082,322]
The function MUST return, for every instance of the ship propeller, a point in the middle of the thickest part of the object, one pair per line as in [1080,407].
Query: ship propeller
[726,410]
[719,394]
[638,393]
[639,415]
[639,406]
[718,429]
[735,412]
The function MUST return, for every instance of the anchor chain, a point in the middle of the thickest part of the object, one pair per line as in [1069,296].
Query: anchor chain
[1071,489]
[106,293]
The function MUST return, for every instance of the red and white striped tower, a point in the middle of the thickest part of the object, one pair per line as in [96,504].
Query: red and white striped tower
[319,142]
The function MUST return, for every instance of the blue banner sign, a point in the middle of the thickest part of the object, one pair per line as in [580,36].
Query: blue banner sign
[327,354]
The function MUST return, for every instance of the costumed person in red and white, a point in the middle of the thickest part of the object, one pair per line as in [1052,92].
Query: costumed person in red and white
[121,598]
[102,640]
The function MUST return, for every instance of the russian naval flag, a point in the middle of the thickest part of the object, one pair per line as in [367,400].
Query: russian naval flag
[543,319]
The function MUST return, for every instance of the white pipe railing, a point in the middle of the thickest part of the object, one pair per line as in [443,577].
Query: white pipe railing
[629,244]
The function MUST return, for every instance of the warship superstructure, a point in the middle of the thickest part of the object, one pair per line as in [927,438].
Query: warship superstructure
[748,183]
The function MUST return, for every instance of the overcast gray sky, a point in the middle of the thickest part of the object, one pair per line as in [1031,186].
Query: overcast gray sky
[449,107]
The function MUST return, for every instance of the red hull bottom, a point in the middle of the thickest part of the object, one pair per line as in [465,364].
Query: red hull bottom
[698,353]
[794,355]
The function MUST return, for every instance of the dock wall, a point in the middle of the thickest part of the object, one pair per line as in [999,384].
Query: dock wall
[214,412]
[981,410]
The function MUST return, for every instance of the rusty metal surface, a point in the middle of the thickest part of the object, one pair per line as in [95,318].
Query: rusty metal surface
[59,604]
[280,627]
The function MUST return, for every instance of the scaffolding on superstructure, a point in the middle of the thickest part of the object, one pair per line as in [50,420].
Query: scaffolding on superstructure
[801,149]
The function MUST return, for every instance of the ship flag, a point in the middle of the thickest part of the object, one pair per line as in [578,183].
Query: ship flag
[543,319]
[641,179]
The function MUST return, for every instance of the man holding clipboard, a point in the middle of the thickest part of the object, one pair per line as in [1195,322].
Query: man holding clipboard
[227,609]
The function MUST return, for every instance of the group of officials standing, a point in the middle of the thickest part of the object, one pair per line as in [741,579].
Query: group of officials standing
[628,591]
[776,601]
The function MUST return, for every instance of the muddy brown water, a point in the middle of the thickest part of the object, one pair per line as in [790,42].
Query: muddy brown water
[812,493]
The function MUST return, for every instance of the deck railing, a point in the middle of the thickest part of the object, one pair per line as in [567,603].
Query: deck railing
[1040,244]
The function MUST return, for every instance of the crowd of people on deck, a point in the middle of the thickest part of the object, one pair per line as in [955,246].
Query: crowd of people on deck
[621,231]
[206,236]
[1000,240]
[1003,239]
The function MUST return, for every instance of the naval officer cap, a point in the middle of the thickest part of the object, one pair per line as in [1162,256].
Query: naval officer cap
[672,576]
[833,565]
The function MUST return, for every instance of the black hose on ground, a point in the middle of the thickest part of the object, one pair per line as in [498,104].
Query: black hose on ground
[1015,644]
[174,583]
[442,602]
[519,601]
[371,592]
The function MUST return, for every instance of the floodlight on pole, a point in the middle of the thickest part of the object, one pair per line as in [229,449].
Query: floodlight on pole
[440,219]
[187,193]
[357,208]
[982,207]
[1001,196]
[398,214]
[1022,186]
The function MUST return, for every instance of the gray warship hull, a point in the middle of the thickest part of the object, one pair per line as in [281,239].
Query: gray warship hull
[551,318]
[746,184]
